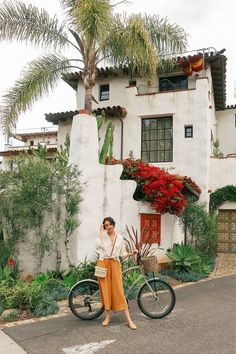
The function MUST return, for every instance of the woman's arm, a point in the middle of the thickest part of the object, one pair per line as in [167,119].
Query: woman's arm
[99,243]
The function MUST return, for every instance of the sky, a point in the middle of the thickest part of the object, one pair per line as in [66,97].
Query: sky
[208,24]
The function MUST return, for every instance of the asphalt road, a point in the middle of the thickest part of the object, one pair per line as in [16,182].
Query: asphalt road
[203,321]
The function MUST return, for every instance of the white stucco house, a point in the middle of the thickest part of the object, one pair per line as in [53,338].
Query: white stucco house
[26,140]
[171,124]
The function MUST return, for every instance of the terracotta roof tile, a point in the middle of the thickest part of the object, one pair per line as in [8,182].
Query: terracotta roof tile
[188,182]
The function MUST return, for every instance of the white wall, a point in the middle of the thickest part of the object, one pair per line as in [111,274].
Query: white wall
[64,128]
[227,131]
[223,172]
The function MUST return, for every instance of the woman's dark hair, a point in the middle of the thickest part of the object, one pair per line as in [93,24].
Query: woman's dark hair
[110,220]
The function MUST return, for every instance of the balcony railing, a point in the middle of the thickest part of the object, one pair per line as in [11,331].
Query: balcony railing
[165,86]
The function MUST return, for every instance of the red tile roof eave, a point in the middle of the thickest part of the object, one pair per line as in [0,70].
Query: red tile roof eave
[16,152]
[189,183]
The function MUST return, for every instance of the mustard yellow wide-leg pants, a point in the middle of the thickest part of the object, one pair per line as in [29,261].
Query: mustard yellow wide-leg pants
[111,287]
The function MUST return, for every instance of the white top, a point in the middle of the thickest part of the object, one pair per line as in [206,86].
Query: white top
[104,247]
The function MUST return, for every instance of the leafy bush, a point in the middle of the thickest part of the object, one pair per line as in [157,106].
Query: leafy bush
[59,292]
[206,265]
[7,276]
[47,306]
[183,275]
[201,227]
[84,271]
[1,309]
[183,257]
[46,280]
[5,252]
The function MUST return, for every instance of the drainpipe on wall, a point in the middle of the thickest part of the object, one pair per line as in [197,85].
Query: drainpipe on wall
[121,138]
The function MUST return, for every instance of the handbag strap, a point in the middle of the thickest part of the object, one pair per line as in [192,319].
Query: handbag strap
[113,246]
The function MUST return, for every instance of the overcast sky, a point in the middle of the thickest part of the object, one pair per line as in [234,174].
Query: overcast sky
[208,23]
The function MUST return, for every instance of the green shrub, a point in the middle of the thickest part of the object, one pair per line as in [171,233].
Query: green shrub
[200,227]
[83,271]
[59,292]
[5,252]
[206,265]
[7,276]
[45,280]
[47,306]
[183,257]
[1,309]
[183,275]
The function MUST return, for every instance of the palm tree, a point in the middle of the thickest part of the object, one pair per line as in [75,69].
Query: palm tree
[97,35]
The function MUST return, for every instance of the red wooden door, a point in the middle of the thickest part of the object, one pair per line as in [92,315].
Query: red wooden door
[151,228]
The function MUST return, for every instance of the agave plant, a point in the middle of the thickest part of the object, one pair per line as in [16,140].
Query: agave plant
[183,257]
[134,242]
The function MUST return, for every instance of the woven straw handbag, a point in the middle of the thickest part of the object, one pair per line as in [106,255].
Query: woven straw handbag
[100,272]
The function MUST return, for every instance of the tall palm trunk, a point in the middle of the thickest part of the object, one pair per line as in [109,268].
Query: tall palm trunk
[89,79]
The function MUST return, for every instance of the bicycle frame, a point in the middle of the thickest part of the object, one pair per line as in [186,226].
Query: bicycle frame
[142,276]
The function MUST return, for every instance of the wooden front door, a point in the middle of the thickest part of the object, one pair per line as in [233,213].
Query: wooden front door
[226,231]
[151,228]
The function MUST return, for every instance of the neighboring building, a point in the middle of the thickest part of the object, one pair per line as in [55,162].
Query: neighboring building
[26,140]
[172,125]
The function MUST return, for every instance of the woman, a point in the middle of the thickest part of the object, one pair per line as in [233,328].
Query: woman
[111,246]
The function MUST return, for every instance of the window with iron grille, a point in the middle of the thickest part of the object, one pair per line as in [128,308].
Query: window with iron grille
[157,139]
[104,92]
[173,83]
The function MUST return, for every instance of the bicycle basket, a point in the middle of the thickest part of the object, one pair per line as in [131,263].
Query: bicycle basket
[149,264]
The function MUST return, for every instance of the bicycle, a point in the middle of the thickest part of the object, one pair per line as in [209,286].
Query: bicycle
[155,298]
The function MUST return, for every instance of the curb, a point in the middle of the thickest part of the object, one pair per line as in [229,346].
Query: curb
[8,346]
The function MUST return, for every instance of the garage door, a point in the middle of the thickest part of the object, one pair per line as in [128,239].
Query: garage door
[227,231]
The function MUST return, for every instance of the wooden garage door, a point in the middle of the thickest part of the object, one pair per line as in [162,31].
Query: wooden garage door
[227,231]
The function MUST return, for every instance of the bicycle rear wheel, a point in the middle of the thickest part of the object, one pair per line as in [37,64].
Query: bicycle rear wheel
[85,301]
[156,299]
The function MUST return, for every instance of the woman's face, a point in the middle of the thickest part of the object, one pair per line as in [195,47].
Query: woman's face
[108,226]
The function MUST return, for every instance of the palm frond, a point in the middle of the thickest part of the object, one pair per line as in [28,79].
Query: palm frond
[130,43]
[94,18]
[38,78]
[167,38]
[22,22]
[69,8]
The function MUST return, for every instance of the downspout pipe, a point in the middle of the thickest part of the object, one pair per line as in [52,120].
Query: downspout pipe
[121,138]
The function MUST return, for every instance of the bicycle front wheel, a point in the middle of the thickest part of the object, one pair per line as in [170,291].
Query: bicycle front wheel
[156,298]
[85,301]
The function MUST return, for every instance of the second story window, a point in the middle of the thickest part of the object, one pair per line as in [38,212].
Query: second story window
[104,92]
[172,83]
[188,131]
[31,142]
[157,139]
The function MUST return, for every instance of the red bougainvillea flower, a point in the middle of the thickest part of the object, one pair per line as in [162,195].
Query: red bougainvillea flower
[160,188]
[11,262]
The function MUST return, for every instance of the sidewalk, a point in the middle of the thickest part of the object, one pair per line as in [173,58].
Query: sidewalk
[8,346]
[226,264]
